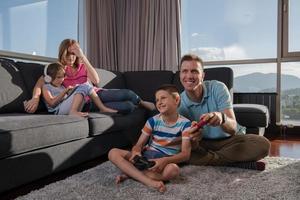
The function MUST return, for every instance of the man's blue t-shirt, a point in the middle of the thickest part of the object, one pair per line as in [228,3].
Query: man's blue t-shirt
[216,98]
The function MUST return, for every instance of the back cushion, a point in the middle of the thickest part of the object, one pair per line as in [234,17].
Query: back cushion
[12,89]
[110,79]
[31,72]
[176,81]
[144,83]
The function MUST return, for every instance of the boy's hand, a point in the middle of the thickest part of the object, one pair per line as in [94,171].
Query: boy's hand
[133,154]
[160,164]
[195,135]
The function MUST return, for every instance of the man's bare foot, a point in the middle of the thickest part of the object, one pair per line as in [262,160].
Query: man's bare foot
[120,178]
[159,185]
[79,114]
[148,105]
[109,110]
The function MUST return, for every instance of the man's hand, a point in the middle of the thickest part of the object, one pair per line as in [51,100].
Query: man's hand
[31,105]
[212,119]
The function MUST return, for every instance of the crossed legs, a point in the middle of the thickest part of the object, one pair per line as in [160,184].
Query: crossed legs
[152,179]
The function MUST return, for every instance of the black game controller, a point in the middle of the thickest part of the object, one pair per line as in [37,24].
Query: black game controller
[142,163]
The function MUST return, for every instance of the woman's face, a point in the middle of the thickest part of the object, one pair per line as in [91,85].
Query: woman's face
[69,58]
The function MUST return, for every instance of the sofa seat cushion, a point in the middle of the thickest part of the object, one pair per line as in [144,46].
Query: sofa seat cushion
[20,133]
[104,123]
[252,115]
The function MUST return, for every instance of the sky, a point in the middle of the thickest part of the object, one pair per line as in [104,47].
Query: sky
[37,26]
[237,29]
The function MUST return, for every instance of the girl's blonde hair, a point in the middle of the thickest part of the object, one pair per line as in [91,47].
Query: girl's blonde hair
[63,51]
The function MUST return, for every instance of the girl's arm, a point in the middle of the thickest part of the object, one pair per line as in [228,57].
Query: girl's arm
[31,105]
[91,72]
[51,100]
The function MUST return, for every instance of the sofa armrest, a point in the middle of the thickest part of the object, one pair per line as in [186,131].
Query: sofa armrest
[252,115]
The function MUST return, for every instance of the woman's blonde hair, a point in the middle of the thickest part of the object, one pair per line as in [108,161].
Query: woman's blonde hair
[63,51]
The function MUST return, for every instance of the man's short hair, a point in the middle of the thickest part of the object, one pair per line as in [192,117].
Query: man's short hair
[191,57]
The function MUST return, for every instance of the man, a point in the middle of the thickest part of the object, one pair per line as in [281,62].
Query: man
[222,141]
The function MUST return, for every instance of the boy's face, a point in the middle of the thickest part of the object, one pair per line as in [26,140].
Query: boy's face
[165,102]
[59,78]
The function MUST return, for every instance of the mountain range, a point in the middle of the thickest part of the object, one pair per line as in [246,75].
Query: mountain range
[260,82]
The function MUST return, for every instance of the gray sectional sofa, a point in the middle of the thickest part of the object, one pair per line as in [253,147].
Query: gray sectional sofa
[33,146]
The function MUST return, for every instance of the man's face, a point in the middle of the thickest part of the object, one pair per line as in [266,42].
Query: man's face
[191,75]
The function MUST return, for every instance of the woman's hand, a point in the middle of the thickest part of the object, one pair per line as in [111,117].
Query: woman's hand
[31,105]
[75,48]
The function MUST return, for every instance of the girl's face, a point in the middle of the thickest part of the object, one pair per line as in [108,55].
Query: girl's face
[69,58]
[59,78]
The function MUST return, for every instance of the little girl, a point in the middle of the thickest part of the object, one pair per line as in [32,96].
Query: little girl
[61,100]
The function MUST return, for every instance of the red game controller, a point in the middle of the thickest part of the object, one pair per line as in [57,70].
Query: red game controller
[201,123]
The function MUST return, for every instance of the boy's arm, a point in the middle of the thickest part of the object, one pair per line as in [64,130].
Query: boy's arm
[184,155]
[138,147]
[51,100]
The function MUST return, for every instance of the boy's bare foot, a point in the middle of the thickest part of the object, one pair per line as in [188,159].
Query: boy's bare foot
[120,178]
[159,185]
[79,114]
[109,110]
[148,105]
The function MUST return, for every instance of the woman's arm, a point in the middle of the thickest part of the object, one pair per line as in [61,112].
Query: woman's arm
[91,72]
[31,105]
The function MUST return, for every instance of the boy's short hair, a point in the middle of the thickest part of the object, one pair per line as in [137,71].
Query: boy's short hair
[191,57]
[53,69]
[170,88]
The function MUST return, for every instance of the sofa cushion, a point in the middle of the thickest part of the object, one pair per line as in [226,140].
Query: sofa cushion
[26,132]
[252,115]
[111,79]
[104,123]
[144,83]
[31,72]
[12,89]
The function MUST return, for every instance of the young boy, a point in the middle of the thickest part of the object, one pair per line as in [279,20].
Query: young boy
[63,101]
[164,139]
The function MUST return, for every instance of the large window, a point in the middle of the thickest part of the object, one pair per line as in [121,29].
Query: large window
[258,39]
[229,30]
[248,78]
[290,92]
[37,27]
[294,21]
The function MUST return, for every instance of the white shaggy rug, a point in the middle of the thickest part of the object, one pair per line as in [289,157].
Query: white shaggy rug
[281,180]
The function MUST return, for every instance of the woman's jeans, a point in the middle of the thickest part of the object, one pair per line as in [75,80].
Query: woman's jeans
[122,100]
